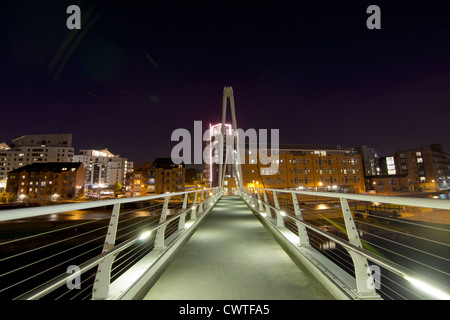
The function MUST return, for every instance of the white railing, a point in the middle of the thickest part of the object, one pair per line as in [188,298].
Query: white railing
[413,257]
[52,260]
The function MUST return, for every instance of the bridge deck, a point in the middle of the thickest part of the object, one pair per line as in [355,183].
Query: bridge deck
[232,256]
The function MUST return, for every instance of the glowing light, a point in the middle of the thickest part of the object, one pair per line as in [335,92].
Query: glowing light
[145,235]
[283,213]
[429,289]
[188,224]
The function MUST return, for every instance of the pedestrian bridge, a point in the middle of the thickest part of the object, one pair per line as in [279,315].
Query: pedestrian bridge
[232,256]
[260,244]
[257,244]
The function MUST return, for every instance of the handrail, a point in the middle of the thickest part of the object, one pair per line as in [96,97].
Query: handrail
[414,202]
[21,213]
[110,250]
[411,276]
[64,278]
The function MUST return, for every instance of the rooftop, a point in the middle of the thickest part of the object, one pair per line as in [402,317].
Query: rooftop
[56,167]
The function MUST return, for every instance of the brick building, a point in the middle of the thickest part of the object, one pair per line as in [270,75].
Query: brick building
[426,169]
[309,167]
[156,177]
[47,181]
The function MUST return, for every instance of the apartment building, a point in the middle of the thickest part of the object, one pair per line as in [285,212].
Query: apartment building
[47,181]
[103,168]
[426,169]
[308,167]
[30,149]
[156,177]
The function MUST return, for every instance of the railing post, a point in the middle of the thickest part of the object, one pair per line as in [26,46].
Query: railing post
[161,232]
[100,289]
[302,234]
[200,209]
[194,207]
[254,197]
[363,274]
[266,203]
[280,220]
[182,221]
[260,205]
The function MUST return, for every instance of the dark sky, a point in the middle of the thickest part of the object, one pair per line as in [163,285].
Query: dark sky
[138,70]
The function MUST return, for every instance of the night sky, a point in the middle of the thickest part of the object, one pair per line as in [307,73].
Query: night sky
[138,70]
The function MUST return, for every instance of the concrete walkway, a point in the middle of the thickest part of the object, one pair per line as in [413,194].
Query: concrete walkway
[232,256]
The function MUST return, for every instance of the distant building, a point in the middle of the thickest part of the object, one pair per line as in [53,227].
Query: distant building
[103,168]
[36,148]
[370,160]
[387,183]
[426,169]
[386,166]
[157,177]
[47,181]
[309,167]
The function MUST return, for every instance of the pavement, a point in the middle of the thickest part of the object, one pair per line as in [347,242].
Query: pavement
[231,256]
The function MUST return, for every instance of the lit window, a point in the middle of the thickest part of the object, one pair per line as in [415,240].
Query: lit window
[418,154]
[419,160]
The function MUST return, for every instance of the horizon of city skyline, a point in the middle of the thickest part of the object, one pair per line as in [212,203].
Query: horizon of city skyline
[314,71]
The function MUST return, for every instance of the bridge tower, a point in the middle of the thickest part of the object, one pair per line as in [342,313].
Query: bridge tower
[225,146]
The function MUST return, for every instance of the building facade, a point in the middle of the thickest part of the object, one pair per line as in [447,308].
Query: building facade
[34,149]
[308,167]
[157,177]
[426,169]
[47,181]
[370,160]
[393,183]
[103,168]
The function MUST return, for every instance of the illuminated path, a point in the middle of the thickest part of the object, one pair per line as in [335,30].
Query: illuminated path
[232,256]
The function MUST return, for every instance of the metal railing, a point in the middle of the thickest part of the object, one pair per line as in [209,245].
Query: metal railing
[385,254]
[46,257]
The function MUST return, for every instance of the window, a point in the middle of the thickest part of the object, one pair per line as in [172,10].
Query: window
[419,160]
[418,154]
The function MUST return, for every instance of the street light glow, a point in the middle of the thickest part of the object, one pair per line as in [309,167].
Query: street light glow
[145,235]
[428,288]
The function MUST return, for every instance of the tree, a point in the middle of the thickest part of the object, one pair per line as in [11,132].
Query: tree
[117,189]
[7,197]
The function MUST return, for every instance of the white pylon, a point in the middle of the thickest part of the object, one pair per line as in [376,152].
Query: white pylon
[228,93]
